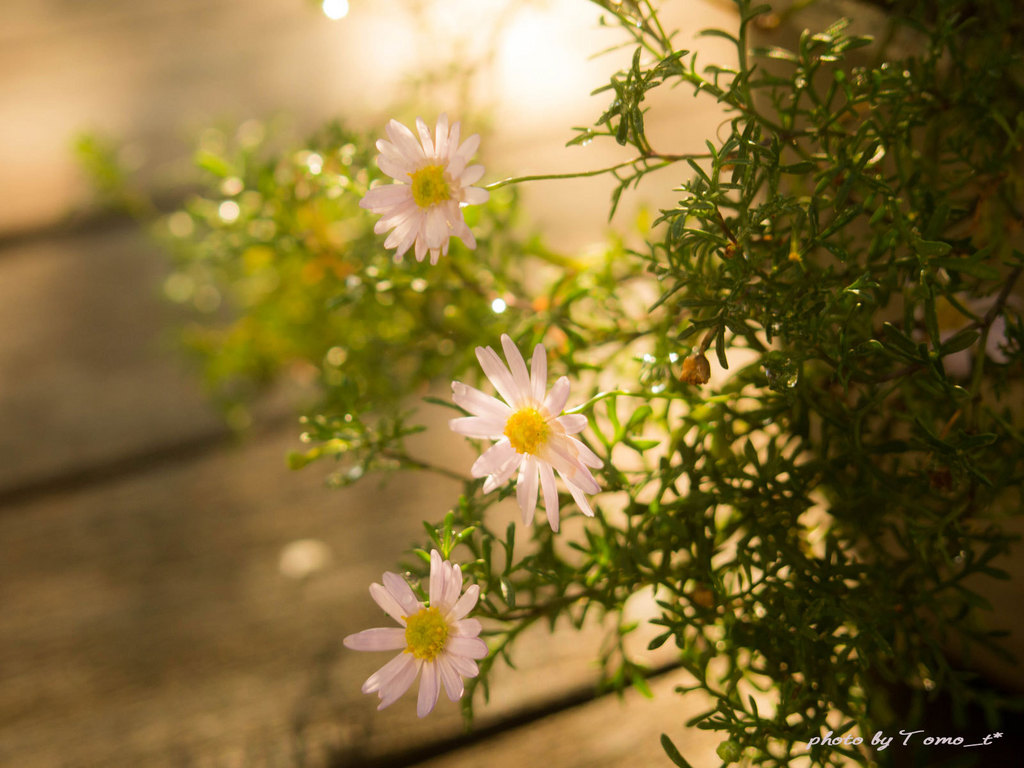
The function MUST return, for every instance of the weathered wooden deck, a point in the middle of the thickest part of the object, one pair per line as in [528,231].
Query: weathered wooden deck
[147,618]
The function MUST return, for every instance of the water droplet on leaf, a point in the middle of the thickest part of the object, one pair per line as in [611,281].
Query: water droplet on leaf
[780,370]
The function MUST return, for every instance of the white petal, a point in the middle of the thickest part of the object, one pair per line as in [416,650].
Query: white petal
[573,422]
[377,639]
[458,161]
[452,145]
[547,481]
[493,459]
[390,152]
[469,647]
[471,175]
[504,473]
[452,680]
[386,196]
[442,137]
[474,426]
[467,628]
[479,404]
[388,603]
[464,666]
[579,498]
[470,146]
[475,196]
[402,592]
[437,577]
[453,218]
[559,453]
[466,237]
[539,372]
[425,140]
[437,228]
[587,456]
[421,249]
[452,589]
[398,171]
[402,231]
[466,602]
[395,215]
[517,366]
[498,374]
[430,687]
[557,397]
[392,691]
[526,489]
[554,518]
[404,222]
[383,676]
[404,140]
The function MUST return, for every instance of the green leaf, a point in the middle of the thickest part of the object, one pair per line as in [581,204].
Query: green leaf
[995,573]
[968,267]
[658,641]
[774,52]
[508,592]
[639,416]
[805,166]
[970,442]
[720,347]
[900,340]
[929,248]
[298,459]
[718,33]
[869,347]
[673,753]
[640,445]
[640,684]
[215,164]
[959,342]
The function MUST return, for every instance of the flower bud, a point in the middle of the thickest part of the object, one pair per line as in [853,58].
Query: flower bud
[696,370]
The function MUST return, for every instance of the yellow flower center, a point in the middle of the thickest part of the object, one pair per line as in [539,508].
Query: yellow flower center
[527,430]
[426,634]
[429,186]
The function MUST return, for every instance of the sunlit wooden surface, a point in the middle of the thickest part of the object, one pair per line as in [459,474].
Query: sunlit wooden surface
[174,596]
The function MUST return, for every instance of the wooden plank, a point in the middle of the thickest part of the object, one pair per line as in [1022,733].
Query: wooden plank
[151,72]
[148,622]
[606,733]
[89,373]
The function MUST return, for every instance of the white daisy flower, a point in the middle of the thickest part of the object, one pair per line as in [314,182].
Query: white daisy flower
[532,436]
[438,639]
[433,182]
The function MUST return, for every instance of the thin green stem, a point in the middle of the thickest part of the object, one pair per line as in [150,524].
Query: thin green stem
[666,161]
[666,43]
[623,393]
[409,462]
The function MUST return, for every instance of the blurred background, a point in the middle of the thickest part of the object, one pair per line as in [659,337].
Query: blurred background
[172,594]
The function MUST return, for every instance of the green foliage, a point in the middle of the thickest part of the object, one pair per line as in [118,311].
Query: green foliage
[810,522]
[286,275]
[112,178]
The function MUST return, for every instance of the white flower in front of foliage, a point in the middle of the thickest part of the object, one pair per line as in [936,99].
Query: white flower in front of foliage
[533,436]
[423,209]
[438,640]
